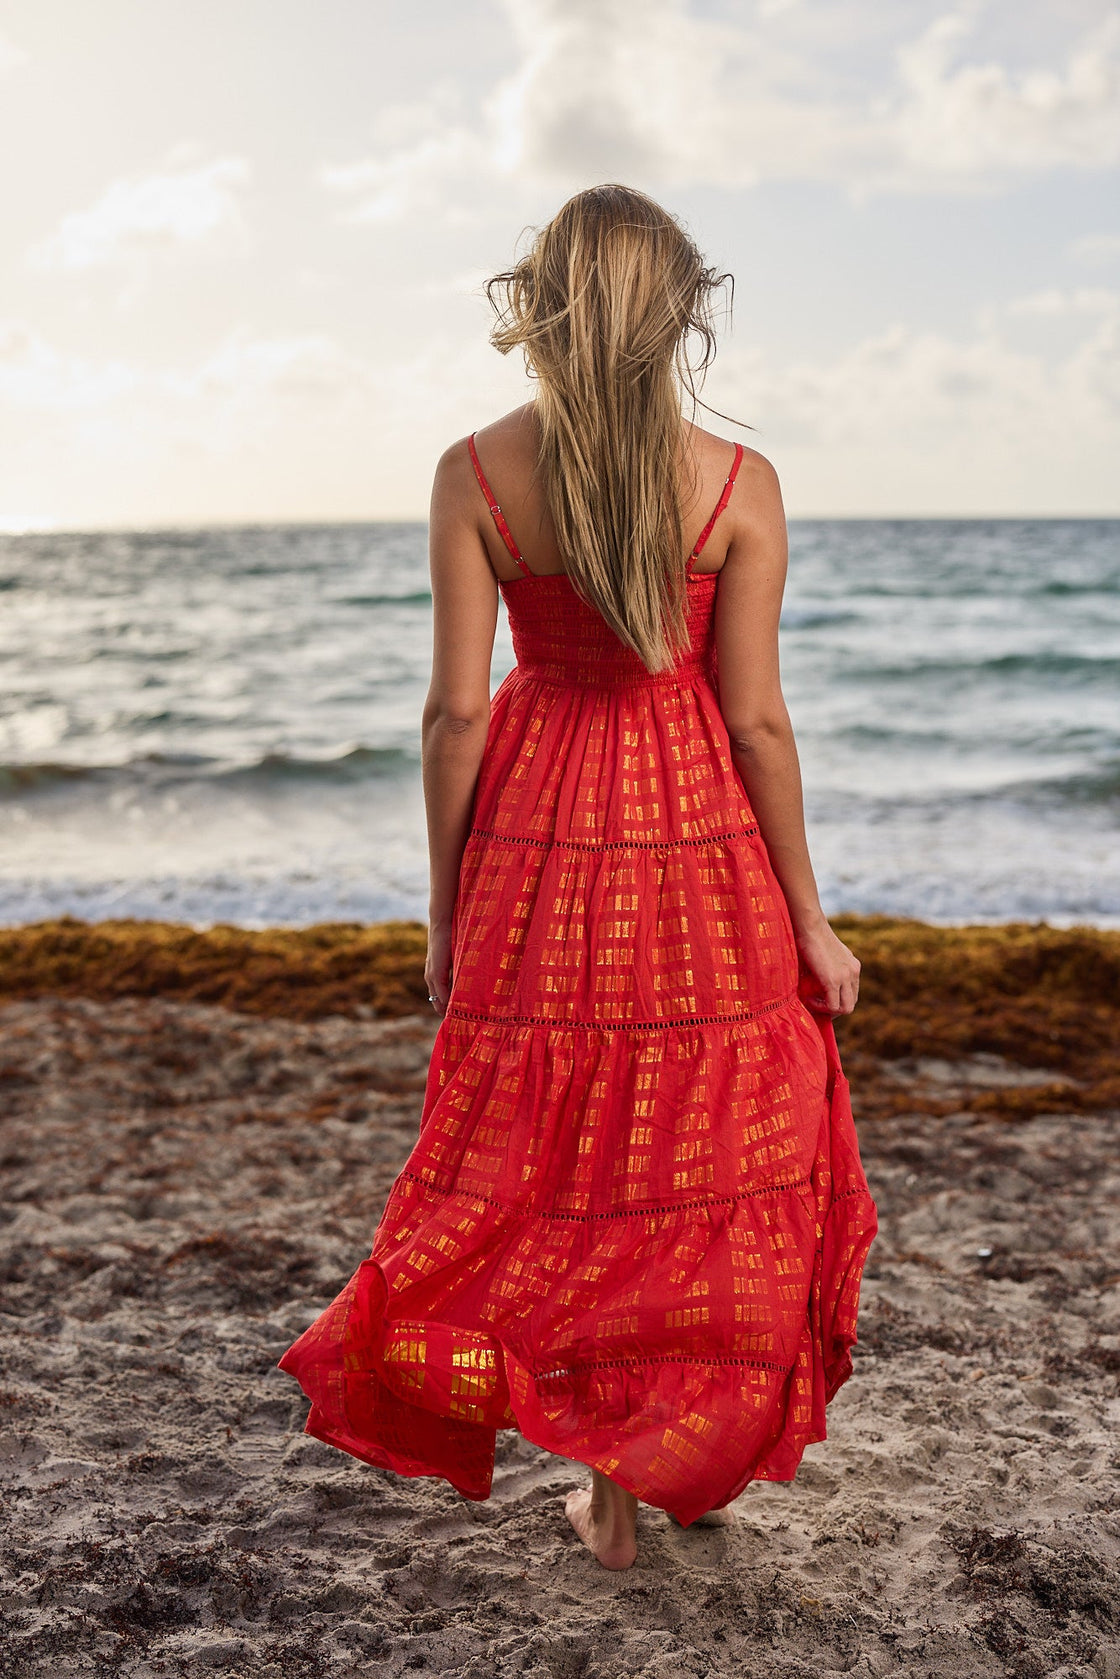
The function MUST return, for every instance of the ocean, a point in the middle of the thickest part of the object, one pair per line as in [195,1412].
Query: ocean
[223,725]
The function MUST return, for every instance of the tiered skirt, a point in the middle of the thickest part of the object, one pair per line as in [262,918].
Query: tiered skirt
[634,1223]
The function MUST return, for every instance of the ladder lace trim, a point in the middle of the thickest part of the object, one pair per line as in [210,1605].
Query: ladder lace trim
[613,845]
[708,1359]
[658,1210]
[456,1011]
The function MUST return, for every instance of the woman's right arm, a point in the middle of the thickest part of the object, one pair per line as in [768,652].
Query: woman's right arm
[748,607]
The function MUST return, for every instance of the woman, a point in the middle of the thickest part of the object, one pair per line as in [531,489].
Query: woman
[634,1223]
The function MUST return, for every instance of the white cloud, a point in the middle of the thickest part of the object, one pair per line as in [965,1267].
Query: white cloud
[649,91]
[1097,249]
[384,189]
[269,426]
[468,282]
[142,217]
[897,382]
[12,56]
[426,156]
[254,390]
[242,372]
[263,426]
[1083,300]
[603,87]
[1093,370]
[963,120]
[292,425]
[37,375]
[304,367]
[919,420]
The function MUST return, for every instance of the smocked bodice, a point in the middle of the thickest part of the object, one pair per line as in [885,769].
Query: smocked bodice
[559,637]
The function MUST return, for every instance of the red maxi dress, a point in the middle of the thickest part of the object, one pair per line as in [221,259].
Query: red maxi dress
[635,1220]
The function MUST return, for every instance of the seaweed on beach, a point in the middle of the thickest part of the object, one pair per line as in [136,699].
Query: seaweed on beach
[1040,1604]
[301,973]
[1041,997]
[1062,1581]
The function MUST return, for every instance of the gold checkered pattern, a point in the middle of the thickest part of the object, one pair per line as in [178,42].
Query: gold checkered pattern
[635,1220]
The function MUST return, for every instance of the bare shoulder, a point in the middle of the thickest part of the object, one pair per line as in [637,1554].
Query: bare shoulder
[499,444]
[759,498]
[755,517]
[759,471]
[756,473]
[511,428]
[453,469]
[510,437]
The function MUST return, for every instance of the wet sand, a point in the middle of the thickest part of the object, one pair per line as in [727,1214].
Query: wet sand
[189,1178]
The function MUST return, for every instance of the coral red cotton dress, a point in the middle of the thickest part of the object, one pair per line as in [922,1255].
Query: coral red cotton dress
[634,1223]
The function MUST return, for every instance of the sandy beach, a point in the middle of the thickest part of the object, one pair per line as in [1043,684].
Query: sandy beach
[199,1131]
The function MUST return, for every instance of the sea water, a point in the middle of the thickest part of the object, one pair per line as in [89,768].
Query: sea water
[224,724]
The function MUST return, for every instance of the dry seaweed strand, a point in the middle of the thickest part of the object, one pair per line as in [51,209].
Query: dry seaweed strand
[1040,996]
[301,973]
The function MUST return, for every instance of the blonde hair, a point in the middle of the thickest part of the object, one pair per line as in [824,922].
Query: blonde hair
[603,307]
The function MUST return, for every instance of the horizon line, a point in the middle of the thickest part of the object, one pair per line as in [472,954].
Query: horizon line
[30,526]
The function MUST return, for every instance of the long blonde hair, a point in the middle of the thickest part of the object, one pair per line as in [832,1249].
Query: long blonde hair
[603,306]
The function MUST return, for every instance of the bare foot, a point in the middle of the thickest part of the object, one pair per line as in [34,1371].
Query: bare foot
[605,1518]
[723,1517]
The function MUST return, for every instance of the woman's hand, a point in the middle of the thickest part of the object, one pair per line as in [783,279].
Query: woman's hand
[437,967]
[829,982]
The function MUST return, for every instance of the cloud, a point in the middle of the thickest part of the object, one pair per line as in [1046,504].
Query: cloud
[1083,300]
[12,57]
[265,425]
[428,154]
[959,121]
[141,218]
[627,80]
[912,419]
[602,88]
[292,425]
[301,367]
[468,282]
[649,90]
[243,371]
[240,433]
[1097,249]
[900,381]
[384,189]
[34,374]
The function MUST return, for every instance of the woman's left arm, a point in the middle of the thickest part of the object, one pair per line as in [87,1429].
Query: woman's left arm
[457,709]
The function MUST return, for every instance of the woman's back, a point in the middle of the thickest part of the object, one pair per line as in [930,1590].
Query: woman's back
[603,781]
[509,450]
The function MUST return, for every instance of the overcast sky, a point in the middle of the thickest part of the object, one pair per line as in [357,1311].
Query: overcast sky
[242,241]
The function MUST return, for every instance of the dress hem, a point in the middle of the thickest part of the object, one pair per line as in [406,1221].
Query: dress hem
[422,1396]
[779,1464]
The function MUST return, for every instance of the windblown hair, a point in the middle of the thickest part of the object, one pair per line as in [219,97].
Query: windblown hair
[604,306]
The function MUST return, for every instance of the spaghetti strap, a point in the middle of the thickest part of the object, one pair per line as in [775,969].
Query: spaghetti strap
[725,497]
[498,515]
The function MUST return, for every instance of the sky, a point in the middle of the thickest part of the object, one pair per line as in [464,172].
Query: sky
[243,241]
